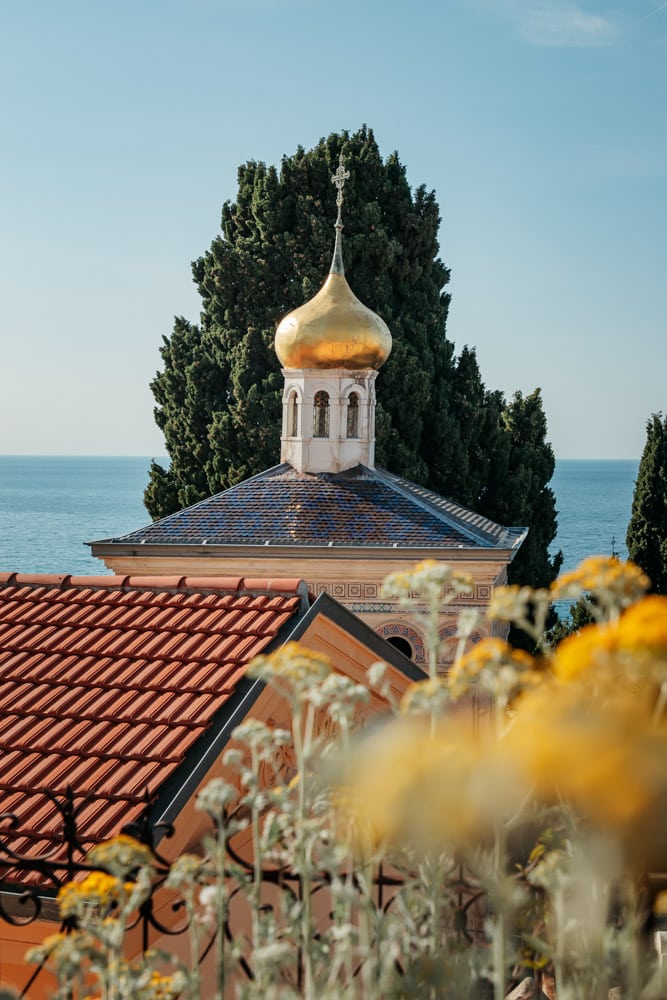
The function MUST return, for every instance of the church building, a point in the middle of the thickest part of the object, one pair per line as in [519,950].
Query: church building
[326,514]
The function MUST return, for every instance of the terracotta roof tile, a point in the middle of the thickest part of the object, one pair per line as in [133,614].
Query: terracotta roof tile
[15,767]
[169,742]
[89,773]
[11,801]
[107,682]
[17,728]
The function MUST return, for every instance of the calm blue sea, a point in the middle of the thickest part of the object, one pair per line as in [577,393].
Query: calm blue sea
[49,506]
[594,501]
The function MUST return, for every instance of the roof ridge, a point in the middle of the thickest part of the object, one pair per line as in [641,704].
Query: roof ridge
[177,584]
[420,495]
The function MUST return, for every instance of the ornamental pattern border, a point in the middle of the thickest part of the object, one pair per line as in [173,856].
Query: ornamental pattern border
[347,591]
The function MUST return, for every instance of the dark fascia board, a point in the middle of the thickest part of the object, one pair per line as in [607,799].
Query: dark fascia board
[18,903]
[176,791]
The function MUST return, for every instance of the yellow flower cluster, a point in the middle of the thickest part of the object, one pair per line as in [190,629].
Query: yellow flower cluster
[426,696]
[147,984]
[602,757]
[496,667]
[98,890]
[643,627]
[66,953]
[605,755]
[633,646]
[187,869]
[427,579]
[293,664]
[120,855]
[161,987]
[514,603]
[413,789]
[604,576]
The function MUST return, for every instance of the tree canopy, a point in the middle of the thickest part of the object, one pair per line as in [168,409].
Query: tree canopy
[647,531]
[218,393]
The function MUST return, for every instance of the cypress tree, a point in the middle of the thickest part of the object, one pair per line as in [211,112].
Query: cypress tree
[517,490]
[218,394]
[647,531]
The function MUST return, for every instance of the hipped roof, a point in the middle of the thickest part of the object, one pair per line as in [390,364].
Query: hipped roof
[357,508]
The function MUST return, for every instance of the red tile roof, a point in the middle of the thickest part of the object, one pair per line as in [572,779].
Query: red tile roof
[107,682]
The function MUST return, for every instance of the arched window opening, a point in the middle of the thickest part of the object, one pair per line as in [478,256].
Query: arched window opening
[293,415]
[321,415]
[353,415]
[406,639]
[401,644]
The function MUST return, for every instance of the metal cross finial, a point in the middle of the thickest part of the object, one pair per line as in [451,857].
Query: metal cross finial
[339,179]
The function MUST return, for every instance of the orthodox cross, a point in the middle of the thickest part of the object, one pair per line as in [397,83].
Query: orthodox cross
[339,179]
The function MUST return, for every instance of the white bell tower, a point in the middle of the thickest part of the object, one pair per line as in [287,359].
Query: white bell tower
[331,349]
[328,419]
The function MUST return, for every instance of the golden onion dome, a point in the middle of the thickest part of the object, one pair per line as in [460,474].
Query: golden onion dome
[334,329]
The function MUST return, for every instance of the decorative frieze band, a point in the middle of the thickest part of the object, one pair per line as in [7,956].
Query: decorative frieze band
[350,591]
[375,608]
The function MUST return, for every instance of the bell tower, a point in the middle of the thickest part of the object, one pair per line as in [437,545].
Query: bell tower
[331,349]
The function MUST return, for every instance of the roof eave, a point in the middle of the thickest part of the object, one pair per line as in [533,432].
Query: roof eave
[477,553]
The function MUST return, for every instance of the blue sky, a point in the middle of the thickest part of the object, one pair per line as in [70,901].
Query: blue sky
[541,125]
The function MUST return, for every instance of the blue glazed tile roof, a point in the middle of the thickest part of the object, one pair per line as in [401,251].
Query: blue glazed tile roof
[359,507]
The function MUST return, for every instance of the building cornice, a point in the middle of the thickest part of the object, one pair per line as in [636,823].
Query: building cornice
[315,552]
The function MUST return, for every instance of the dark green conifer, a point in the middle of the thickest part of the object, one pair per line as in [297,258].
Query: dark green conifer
[518,491]
[647,531]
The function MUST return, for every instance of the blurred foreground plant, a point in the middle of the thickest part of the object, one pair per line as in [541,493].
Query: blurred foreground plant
[445,853]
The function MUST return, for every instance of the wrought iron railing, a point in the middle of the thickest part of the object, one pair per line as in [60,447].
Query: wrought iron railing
[30,882]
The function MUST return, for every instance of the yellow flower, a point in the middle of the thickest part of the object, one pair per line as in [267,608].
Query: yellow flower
[612,582]
[187,869]
[515,603]
[66,954]
[429,579]
[98,890]
[41,952]
[643,627]
[120,855]
[96,894]
[294,664]
[593,646]
[495,666]
[425,696]
[600,756]
[161,987]
[409,790]
[631,648]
